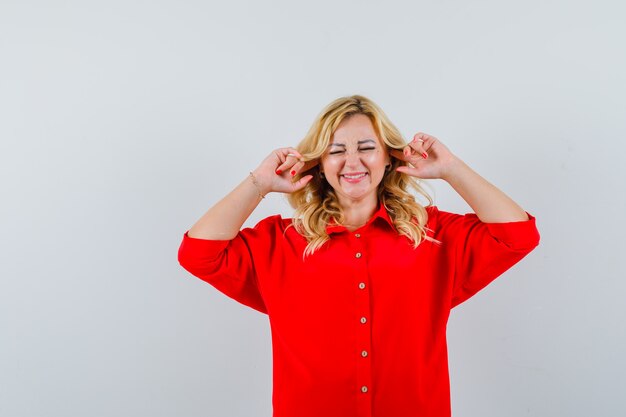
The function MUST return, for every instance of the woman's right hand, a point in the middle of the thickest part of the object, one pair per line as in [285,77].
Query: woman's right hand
[276,172]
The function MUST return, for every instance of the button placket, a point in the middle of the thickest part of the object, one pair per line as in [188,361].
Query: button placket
[364,331]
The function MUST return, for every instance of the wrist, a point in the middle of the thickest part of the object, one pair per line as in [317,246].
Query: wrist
[259,183]
[454,169]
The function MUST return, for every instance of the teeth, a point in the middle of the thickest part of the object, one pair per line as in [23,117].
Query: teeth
[354,176]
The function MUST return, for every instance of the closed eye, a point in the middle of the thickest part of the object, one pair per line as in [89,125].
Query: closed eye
[362,149]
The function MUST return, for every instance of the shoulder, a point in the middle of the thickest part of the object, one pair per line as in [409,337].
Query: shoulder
[442,217]
[273,232]
[434,217]
[274,224]
[275,220]
[432,211]
[445,222]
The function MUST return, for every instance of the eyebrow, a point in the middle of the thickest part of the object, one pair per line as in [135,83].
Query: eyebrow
[359,142]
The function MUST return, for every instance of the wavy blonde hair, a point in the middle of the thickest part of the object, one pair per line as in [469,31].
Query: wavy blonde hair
[317,202]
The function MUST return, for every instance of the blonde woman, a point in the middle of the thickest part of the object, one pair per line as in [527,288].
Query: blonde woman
[359,284]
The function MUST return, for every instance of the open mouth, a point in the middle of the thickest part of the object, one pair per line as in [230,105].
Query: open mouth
[354,177]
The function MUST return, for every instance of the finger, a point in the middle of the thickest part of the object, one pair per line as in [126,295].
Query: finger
[406,155]
[292,153]
[420,136]
[418,143]
[399,155]
[281,168]
[428,141]
[301,183]
[411,155]
[296,168]
[408,170]
[287,156]
[310,164]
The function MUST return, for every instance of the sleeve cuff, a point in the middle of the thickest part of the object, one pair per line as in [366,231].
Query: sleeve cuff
[201,248]
[519,235]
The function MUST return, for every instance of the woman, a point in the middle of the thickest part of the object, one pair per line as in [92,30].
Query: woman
[358,286]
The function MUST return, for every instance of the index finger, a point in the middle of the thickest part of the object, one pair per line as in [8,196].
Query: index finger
[399,155]
[293,153]
[310,164]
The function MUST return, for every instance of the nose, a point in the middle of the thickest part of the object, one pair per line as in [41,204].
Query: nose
[353,159]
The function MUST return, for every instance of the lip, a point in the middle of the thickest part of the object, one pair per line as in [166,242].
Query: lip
[354,180]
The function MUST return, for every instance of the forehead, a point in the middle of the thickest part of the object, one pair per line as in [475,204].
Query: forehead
[353,129]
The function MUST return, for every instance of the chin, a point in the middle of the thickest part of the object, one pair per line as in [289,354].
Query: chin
[357,194]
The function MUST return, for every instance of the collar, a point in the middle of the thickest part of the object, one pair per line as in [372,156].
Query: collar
[380,213]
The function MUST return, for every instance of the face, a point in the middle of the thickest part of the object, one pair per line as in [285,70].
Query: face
[354,163]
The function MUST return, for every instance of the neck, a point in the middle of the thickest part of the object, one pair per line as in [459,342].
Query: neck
[356,214]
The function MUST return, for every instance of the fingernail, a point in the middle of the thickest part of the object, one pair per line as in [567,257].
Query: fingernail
[278,172]
[424,155]
[293,173]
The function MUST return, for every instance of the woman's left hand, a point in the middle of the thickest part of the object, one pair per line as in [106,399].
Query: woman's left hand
[427,156]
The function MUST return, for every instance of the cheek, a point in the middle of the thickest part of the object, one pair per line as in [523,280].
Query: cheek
[331,164]
[375,159]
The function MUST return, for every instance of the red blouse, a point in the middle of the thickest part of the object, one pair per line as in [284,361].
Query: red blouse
[359,327]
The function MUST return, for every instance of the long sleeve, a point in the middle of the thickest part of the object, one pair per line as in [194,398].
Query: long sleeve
[481,252]
[229,265]
[353,329]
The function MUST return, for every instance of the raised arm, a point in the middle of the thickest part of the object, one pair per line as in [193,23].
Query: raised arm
[481,245]
[431,159]
[489,203]
[218,252]
[224,220]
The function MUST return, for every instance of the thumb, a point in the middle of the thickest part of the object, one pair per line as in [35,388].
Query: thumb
[408,170]
[302,182]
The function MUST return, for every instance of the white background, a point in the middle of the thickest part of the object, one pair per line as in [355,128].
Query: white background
[122,122]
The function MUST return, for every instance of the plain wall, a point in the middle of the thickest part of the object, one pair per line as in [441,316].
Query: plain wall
[122,122]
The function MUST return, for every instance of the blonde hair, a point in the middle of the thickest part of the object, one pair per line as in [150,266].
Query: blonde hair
[317,202]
